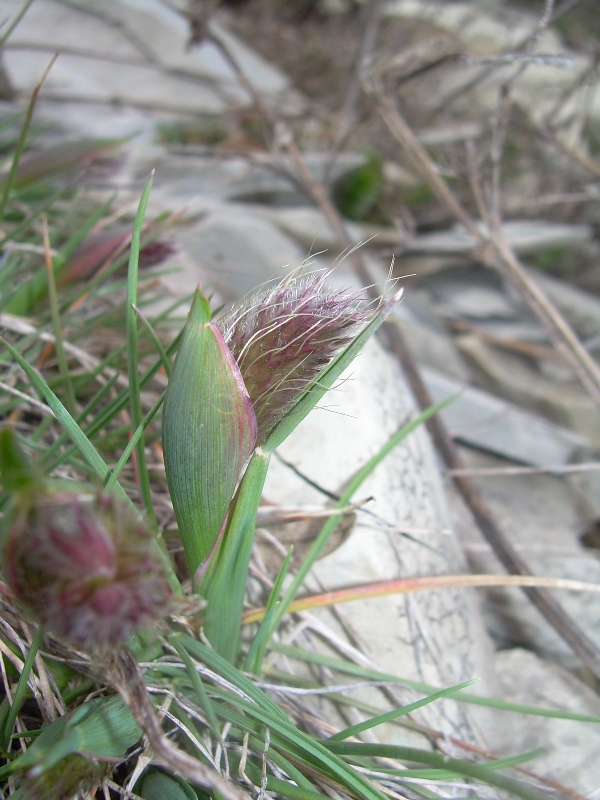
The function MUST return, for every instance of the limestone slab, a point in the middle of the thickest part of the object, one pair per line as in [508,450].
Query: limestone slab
[487,422]
[435,637]
[569,749]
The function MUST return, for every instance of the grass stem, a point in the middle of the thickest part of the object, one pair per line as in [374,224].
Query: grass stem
[63,365]
[19,695]
[132,352]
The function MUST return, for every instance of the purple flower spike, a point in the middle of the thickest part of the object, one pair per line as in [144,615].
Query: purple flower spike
[85,566]
[284,337]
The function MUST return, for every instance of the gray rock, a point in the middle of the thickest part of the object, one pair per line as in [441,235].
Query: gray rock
[91,120]
[482,420]
[570,749]
[239,251]
[581,308]
[92,80]
[182,176]
[135,53]
[311,229]
[428,341]
[476,302]
[524,236]
[543,517]
[476,294]
[510,376]
[488,33]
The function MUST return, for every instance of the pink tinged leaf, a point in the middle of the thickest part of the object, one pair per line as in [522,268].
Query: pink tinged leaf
[60,158]
[91,254]
[209,432]
[96,248]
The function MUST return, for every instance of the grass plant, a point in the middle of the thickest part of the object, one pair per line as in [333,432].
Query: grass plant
[87,385]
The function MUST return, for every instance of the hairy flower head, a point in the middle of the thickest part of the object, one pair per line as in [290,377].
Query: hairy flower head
[282,338]
[85,566]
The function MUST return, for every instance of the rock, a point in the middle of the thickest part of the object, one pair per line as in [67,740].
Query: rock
[239,251]
[136,53]
[185,175]
[476,295]
[97,81]
[473,294]
[543,517]
[98,120]
[511,376]
[581,308]
[311,229]
[448,133]
[428,341]
[487,422]
[524,236]
[481,31]
[435,637]
[570,749]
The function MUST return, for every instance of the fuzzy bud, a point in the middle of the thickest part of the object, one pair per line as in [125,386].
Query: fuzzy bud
[85,566]
[284,337]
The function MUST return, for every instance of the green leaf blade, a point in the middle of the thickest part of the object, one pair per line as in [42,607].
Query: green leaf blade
[209,430]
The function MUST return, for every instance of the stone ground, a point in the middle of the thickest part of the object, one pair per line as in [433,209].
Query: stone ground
[125,69]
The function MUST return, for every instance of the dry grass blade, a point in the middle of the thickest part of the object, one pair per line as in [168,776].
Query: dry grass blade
[407,585]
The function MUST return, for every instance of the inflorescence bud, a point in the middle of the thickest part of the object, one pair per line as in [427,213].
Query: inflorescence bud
[284,337]
[85,566]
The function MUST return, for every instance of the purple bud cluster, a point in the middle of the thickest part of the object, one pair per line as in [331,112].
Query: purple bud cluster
[284,337]
[84,565]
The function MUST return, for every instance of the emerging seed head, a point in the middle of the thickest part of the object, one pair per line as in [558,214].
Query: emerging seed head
[84,565]
[282,338]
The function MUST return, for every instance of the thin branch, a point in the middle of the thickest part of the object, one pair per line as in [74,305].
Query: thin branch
[409,585]
[372,16]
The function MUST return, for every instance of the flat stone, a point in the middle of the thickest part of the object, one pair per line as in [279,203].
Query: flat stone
[52,25]
[95,120]
[510,376]
[428,341]
[542,516]
[186,175]
[490,32]
[135,52]
[78,78]
[569,749]
[581,308]
[524,236]
[482,420]
[239,251]
[310,228]
[473,293]
[163,34]
[484,33]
